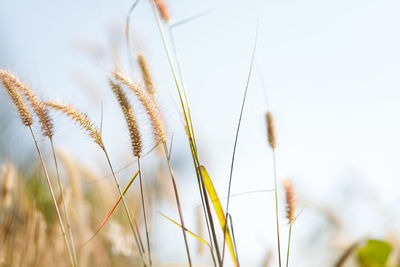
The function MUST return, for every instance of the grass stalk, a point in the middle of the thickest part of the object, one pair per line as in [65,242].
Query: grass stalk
[236,140]
[276,208]
[53,197]
[167,156]
[191,136]
[60,183]
[133,225]
[288,247]
[144,211]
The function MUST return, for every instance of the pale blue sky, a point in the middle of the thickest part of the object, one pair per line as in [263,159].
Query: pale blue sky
[331,69]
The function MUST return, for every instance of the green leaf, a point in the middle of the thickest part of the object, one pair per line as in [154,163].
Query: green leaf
[374,254]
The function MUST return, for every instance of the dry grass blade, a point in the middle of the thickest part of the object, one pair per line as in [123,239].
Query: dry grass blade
[79,117]
[219,211]
[103,222]
[190,232]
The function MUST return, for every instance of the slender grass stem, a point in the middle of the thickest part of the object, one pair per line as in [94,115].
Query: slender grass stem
[192,142]
[60,183]
[53,198]
[276,209]
[136,235]
[288,247]
[236,140]
[177,202]
[144,211]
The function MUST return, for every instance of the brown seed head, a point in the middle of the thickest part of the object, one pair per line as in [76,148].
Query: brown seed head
[271,129]
[147,77]
[79,117]
[130,118]
[159,129]
[16,98]
[290,200]
[163,9]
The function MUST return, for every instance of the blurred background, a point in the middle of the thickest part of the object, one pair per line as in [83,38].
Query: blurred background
[330,71]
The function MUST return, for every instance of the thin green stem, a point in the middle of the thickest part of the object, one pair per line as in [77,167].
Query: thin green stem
[144,211]
[192,142]
[60,183]
[288,246]
[53,198]
[138,240]
[276,208]
[177,202]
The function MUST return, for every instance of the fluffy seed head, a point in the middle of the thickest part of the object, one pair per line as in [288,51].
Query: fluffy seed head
[130,118]
[271,129]
[291,201]
[163,9]
[79,117]
[159,129]
[36,103]
[147,77]
[16,98]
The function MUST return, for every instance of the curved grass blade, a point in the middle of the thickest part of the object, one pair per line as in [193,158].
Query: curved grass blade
[190,232]
[219,211]
[113,208]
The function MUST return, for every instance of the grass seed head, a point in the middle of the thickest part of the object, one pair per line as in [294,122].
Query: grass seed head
[152,109]
[271,129]
[163,9]
[36,103]
[130,118]
[147,77]
[79,117]
[291,201]
[7,79]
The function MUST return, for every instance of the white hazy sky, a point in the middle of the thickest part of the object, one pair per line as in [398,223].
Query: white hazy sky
[331,71]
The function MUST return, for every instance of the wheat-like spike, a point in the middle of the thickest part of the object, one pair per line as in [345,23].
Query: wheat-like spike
[271,129]
[81,118]
[163,9]
[147,77]
[36,103]
[130,118]
[151,107]
[16,98]
[290,200]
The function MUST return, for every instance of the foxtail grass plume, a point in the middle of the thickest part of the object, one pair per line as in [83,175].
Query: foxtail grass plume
[79,117]
[291,201]
[271,129]
[16,98]
[130,118]
[147,77]
[163,9]
[147,101]
[36,103]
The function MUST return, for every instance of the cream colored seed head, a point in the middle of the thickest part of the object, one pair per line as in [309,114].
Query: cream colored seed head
[147,77]
[16,98]
[163,9]
[271,130]
[290,200]
[152,109]
[79,117]
[130,118]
